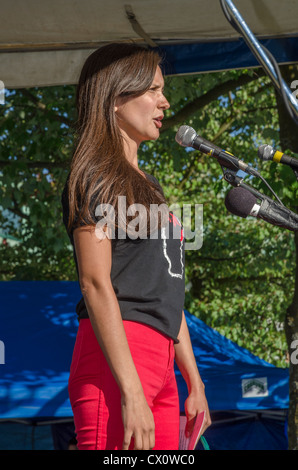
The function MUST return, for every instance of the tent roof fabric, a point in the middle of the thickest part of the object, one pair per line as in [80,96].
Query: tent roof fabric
[38,329]
[45,43]
[34,23]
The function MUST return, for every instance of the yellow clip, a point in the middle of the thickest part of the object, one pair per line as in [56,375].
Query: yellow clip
[277,156]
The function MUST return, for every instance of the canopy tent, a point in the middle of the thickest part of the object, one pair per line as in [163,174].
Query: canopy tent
[38,328]
[247,396]
[45,43]
[234,378]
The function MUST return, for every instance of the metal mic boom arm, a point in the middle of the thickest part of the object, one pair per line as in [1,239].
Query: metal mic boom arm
[263,56]
[231,177]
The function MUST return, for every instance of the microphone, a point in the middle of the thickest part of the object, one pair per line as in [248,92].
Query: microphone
[187,137]
[266,152]
[241,202]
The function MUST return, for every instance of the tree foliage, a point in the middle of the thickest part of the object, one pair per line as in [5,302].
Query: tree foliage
[241,279]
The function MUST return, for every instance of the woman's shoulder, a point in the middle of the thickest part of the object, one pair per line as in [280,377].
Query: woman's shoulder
[150,177]
[154,180]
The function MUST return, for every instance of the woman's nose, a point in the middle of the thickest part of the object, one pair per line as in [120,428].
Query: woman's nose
[164,103]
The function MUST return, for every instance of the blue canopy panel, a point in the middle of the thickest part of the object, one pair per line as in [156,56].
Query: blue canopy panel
[234,378]
[37,334]
[224,55]
[249,430]
[38,329]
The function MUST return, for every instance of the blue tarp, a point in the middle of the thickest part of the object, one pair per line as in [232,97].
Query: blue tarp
[214,56]
[38,328]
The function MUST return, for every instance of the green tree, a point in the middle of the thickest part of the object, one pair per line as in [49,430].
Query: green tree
[289,140]
[241,279]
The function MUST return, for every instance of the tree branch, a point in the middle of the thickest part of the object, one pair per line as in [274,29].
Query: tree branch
[39,164]
[16,210]
[237,279]
[224,127]
[209,96]
[228,258]
[42,107]
[192,165]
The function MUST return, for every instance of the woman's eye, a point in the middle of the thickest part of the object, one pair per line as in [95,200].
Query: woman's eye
[156,89]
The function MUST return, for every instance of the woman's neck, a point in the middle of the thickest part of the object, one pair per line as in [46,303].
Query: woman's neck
[131,152]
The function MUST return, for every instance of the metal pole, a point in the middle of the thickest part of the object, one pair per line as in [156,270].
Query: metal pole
[261,56]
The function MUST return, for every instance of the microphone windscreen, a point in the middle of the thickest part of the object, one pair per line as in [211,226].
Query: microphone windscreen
[185,136]
[265,152]
[240,201]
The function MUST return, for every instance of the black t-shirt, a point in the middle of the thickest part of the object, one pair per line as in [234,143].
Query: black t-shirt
[147,275]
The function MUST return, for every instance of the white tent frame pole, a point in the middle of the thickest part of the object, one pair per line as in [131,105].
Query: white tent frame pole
[262,57]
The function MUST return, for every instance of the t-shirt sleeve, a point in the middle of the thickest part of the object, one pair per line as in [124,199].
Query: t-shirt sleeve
[65,212]
[156,182]
[95,201]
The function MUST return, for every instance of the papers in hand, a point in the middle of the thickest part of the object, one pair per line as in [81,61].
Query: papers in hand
[190,443]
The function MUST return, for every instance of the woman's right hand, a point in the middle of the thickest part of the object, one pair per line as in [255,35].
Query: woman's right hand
[138,422]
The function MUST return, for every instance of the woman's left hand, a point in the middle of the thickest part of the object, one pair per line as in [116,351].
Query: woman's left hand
[195,403]
[186,361]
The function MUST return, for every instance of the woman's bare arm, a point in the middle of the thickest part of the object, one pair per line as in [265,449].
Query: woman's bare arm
[185,360]
[94,258]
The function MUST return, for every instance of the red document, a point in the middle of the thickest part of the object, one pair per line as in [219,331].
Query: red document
[190,443]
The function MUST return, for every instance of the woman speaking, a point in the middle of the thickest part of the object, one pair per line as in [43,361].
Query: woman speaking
[122,383]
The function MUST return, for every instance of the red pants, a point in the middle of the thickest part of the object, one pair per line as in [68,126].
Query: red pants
[95,396]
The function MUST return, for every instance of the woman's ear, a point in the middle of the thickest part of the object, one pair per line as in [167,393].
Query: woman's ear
[116,107]
[119,102]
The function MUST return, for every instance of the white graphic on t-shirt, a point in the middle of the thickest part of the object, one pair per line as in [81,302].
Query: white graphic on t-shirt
[165,251]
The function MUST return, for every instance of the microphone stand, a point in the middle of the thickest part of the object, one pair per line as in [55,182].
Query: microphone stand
[231,177]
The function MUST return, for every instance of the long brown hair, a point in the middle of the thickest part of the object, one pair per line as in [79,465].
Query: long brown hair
[99,167]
